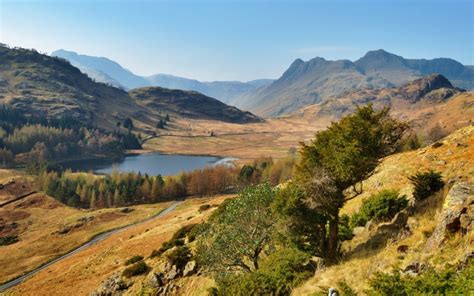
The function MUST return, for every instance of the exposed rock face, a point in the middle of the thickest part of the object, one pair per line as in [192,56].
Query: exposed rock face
[457,214]
[415,268]
[190,268]
[112,286]
[431,89]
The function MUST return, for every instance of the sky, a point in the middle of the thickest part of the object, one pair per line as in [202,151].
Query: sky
[239,40]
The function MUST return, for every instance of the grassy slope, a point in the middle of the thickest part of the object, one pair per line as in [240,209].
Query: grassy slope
[455,162]
[82,273]
[39,217]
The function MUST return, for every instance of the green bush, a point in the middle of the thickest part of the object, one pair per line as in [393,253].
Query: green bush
[447,282]
[197,230]
[182,232]
[134,259]
[8,240]
[379,207]
[166,246]
[137,268]
[279,273]
[426,184]
[345,230]
[345,290]
[179,257]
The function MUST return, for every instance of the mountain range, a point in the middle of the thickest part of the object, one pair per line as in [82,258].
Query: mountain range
[104,70]
[317,80]
[40,84]
[302,84]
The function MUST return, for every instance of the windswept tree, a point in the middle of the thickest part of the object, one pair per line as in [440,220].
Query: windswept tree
[334,165]
[240,231]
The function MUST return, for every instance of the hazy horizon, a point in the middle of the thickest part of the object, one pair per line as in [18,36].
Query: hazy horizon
[238,40]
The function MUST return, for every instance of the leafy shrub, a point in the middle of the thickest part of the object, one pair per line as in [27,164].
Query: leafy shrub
[156,253]
[447,282]
[176,240]
[426,184]
[133,259]
[345,290]
[182,232]
[279,273]
[166,246]
[204,208]
[197,230]
[379,207]
[179,257]
[138,268]
[8,240]
[345,231]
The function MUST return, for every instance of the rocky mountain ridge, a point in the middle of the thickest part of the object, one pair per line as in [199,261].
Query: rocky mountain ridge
[317,80]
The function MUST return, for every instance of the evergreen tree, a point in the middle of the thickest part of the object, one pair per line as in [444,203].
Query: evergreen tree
[334,164]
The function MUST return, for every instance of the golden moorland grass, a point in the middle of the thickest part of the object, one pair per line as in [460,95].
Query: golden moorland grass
[274,138]
[82,273]
[47,229]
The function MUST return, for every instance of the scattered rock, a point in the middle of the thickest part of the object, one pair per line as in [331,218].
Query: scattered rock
[172,274]
[413,269]
[333,292]
[112,286]
[449,152]
[155,280]
[190,268]
[457,214]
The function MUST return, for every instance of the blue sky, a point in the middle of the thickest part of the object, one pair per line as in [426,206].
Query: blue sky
[239,40]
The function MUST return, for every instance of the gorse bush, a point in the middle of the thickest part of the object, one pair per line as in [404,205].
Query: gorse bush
[134,259]
[138,268]
[426,184]
[379,207]
[447,282]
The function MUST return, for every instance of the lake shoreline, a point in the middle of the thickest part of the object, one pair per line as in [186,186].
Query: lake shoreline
[149,162]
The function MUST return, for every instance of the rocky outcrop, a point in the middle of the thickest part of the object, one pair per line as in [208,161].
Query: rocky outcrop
[114,285]
[457,214]
[190,268]
[380,234]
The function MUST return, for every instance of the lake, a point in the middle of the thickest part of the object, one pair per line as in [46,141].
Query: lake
[149,163]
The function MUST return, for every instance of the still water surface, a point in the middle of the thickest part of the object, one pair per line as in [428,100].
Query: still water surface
[151,164]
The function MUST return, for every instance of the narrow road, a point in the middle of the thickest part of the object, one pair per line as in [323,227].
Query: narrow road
[10,284]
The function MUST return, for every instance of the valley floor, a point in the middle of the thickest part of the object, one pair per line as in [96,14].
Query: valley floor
[274,137]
